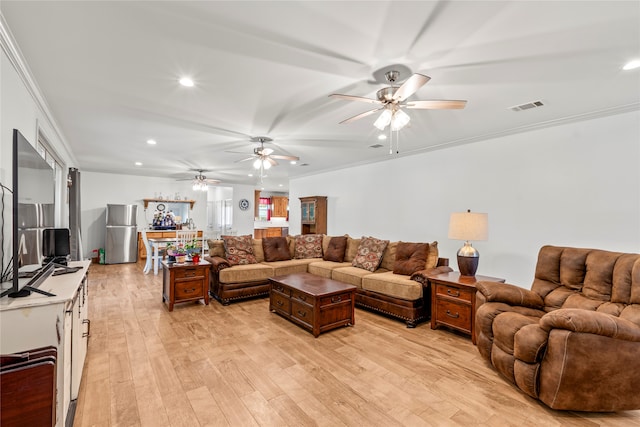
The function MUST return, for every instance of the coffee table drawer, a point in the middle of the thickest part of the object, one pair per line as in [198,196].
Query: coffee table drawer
[282,289]
[280,302]
[303,313]
[335,299]
[297,295]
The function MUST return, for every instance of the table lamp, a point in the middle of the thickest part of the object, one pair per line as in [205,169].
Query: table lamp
[468,226]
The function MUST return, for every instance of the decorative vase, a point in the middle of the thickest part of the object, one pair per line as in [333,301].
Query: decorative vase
[195,258]
[180,258]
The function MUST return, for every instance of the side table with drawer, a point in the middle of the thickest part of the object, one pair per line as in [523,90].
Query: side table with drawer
[453,301]
[185,282]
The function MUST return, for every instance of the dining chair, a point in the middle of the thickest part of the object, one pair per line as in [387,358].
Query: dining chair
[149,262]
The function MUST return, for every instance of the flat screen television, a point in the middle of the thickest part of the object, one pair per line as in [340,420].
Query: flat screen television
[33,212]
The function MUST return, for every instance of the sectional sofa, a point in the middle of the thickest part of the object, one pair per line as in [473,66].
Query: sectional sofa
[396,285]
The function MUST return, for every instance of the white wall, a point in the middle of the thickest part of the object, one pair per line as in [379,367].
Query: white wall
[576,184]
[22,109]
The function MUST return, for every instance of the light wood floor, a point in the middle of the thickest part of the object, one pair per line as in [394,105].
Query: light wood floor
[241,365]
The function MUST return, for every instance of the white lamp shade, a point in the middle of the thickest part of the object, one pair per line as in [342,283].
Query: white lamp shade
[469,226]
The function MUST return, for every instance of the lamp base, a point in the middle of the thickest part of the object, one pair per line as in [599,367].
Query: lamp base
[468,258]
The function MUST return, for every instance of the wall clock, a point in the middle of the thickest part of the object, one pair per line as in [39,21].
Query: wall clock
[244,204]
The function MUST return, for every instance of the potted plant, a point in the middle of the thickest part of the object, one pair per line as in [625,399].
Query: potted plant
[193,250]
[178,251]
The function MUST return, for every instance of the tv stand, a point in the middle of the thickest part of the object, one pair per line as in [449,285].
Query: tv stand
[26,291]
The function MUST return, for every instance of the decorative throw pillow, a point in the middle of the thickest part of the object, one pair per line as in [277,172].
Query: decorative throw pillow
[432,256]
[336,249]
[389,256]
[352,249]
[369,253]
[216,248]
[275,249]
[238,250]
[308,246]
[410,257]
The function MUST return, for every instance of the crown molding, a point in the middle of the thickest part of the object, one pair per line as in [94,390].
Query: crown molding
[15,57]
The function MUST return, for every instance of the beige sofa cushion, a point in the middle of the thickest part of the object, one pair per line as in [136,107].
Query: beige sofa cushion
[246,273]
[258,251]
[352,275]
[352,249]
[291,266]
[324,268]
[432,256]
[389,256]
[393,285]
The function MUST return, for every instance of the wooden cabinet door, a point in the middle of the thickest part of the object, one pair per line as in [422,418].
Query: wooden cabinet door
[280,205]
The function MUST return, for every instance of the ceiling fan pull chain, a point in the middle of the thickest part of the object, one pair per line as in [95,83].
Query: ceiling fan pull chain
[390,140]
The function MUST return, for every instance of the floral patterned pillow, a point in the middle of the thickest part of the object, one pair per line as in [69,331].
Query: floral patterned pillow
[308,246]
[238,250]
[369,254]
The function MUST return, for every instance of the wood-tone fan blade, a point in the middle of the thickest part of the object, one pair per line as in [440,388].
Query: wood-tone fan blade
[437,104]
[408,88]
[281,157]
[270,160]
[361,115]
[212,181]
[356,98]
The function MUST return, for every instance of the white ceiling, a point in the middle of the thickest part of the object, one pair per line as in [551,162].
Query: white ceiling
[109,73]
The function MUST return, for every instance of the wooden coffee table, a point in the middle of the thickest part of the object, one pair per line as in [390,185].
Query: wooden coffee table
[313,302]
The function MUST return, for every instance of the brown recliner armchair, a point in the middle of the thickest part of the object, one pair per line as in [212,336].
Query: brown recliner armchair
[573,340]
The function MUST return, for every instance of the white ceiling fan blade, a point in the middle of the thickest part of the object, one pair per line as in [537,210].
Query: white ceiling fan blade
[355,98]
[437,104]
[408,88]
[359,116]
[244,160]
[281,157]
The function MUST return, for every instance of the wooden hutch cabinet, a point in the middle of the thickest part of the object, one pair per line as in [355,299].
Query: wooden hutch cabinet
[313,214]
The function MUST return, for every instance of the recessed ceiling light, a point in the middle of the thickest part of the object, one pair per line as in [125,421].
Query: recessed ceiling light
[382,136]
[293,162]
[279,185]
[138,164]
[631,65]
[186,81]
[151,141]
[250,174]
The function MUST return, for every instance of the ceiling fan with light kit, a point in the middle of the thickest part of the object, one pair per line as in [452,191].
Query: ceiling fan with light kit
[201,182]
[264,158]
[391,100]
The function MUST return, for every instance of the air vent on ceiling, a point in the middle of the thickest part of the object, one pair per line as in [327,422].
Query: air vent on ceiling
[304,164]
[527,106]
[376,146]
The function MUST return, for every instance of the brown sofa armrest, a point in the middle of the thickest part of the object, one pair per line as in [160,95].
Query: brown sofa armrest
[591,322]
[422,276]
[443,262]
[509,294]
[217,263]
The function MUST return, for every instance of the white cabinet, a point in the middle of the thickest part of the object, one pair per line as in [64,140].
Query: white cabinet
[61,321]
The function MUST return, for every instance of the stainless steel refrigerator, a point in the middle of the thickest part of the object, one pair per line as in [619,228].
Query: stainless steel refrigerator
[121,242]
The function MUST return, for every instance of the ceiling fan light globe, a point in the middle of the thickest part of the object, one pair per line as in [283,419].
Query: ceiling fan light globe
[400,120]
[383,120]
[266,164]
[257,163]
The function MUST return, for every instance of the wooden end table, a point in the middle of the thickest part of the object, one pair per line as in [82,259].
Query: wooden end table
[182,282]
[453,301]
